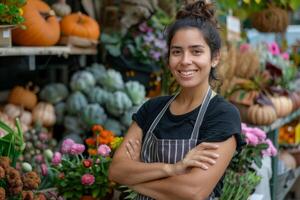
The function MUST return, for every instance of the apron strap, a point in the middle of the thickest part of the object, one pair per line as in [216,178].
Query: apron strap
[201,114]
[161,113]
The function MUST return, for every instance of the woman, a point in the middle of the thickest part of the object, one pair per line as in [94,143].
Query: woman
[178,147]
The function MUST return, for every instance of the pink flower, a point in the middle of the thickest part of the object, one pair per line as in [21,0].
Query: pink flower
[77,149]
[251,139]
[39,158]
[87,179]
[274,48]
[244,47]
[44,169]
[285,56]
[271,150]
[56,159]
[43,136]
[260,134]
[104,150]
[66,145]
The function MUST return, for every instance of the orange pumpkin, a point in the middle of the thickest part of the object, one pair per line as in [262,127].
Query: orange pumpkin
[23,97]
[81,25]
[42,26]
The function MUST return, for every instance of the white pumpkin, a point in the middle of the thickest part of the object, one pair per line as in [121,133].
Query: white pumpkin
[44,113]
[283,105]
[26,117]
[12,110]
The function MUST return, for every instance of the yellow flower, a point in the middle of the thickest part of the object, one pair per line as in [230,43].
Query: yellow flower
[246,1]
[257,1]
[116,142]
[21,11]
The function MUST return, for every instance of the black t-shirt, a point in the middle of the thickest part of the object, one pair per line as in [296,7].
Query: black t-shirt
[221,121]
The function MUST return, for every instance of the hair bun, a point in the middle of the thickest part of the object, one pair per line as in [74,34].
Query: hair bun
[198,9]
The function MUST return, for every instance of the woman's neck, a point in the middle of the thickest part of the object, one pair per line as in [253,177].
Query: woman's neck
[188,99]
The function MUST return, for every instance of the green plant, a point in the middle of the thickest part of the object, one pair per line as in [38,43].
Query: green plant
[11,12]
[11,142]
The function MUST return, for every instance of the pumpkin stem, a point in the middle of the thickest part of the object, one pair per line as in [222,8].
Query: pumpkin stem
[46,15]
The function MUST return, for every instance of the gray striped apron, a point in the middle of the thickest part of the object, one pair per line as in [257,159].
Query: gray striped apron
[170,150]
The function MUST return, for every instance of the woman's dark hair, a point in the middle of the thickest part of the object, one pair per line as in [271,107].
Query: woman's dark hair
[198,15]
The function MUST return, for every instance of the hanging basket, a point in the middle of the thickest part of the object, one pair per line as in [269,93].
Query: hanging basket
[272,19]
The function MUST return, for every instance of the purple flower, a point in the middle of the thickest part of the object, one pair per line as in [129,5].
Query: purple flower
[43,136]
[39,158]
[155,55]
[44,169]
[66,145]
[260,134]
[148,38]
[87,179]
[56,160]
[143,27]
[104,150]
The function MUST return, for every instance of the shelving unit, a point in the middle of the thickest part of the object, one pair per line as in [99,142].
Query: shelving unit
[31,52]
[273,131]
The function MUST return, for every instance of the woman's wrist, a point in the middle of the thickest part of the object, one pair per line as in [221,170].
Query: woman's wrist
[169,169]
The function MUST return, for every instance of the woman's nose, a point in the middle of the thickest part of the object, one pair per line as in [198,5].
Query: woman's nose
[186,58]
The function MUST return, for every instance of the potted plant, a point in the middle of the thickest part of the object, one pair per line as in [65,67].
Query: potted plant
[241,178]
[10,16]
[81,175]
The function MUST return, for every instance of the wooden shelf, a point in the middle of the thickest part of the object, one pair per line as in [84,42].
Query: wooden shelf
[52,50]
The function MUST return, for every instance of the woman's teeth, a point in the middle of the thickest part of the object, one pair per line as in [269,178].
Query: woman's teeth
[187,73]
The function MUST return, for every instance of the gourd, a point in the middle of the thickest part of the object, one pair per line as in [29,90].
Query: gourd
[80,25]
[93,114]
[82,81]
[98,95]
[44,113]
[118,103]
[98,71]
[76,102]
[61,9]
[126,118]
[295,97]
[54,93]
[26,118]
[135,91]
[23,96]
[42,27]
[112,81]
[60,110]
[114,125]
[261,114]
[12,111]
[73,124]
[283,105]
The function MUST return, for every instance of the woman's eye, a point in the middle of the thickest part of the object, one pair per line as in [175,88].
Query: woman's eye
[175,52]
[196,52]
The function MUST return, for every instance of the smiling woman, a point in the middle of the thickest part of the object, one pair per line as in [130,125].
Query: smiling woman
[179,146]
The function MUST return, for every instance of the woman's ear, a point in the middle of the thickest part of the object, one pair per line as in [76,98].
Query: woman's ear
[216,59]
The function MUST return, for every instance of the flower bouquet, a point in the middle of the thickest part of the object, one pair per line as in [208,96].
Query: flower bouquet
[241,178]
[78,174]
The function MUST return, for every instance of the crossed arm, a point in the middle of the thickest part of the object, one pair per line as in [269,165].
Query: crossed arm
[192,178]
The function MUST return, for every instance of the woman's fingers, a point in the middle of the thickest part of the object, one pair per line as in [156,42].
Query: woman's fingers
[208,146]
[133,149]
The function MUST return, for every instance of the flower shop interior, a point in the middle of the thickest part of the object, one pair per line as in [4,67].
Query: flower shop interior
[86,66]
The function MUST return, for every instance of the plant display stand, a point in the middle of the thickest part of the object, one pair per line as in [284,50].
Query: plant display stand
[279,184]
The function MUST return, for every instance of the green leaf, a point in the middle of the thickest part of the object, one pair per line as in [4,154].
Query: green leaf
[114,50]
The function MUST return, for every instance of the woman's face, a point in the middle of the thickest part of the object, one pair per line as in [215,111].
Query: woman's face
[190,58]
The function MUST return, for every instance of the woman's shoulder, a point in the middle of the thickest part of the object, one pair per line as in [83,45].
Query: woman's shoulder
[155,103]
[219,105]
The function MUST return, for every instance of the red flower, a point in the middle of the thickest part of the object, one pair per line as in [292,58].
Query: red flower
[87,163]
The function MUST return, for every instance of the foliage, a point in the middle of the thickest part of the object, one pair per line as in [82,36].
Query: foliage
[77,174]
[11,12]
[11,142]
[241,178]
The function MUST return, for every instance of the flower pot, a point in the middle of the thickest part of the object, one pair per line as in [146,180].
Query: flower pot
[5,35]
[272,19]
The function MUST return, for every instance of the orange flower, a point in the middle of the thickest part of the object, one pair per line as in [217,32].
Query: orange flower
[97,129]
[90,142]
[92,152]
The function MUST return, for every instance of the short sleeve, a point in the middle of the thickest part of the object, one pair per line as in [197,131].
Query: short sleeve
[222,123]
[148,111]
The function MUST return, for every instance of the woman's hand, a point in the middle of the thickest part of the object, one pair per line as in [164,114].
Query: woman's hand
[133,150]
[201,156]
